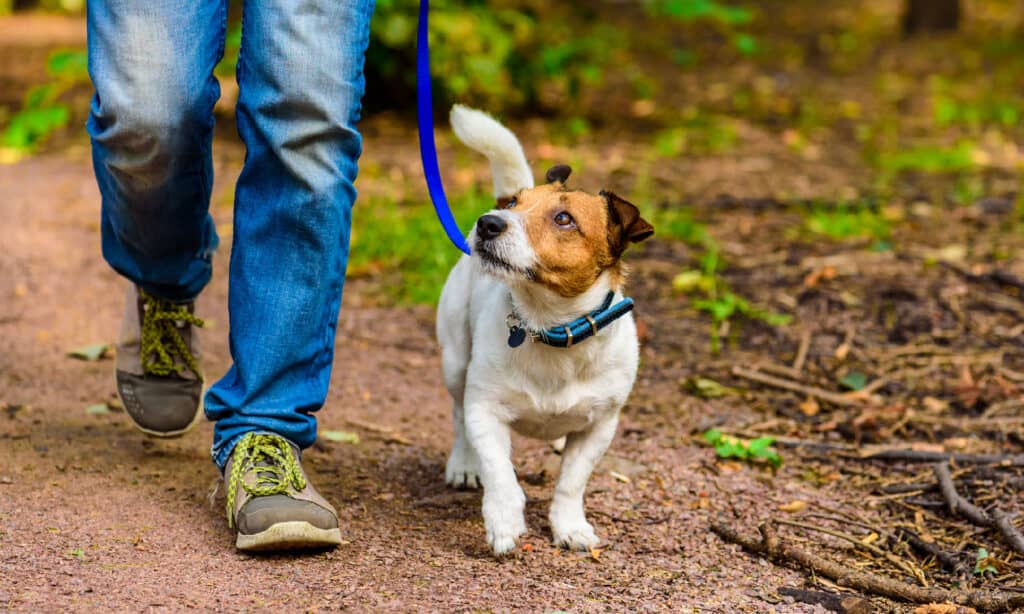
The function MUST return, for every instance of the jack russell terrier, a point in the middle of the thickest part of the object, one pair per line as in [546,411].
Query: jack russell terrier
[536,335]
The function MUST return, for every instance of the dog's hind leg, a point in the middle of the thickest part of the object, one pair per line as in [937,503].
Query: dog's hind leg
[463,467]
[583,450]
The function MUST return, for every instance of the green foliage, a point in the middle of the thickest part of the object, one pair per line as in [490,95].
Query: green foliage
[725,16]
[984,563]
[930,159]
[406,242]
[758,450]
[854,380]
[717,299]
[848,223]
[42,112]
[693,10]
[496,57]
[232,44]
[948,111]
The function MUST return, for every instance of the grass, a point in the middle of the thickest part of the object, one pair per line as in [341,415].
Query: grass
[848,223]
[406,240]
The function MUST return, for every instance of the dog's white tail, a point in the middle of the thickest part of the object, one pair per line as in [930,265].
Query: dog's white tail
[485,134]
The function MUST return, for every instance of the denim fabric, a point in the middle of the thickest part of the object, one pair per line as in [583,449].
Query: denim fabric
[300,77]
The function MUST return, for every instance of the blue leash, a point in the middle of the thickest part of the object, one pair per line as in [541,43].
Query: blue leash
[425,122]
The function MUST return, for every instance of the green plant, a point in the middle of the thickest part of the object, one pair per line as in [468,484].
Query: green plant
[495,57]
[405,244]
[758,450]
[42,111]
[848,222]
[727,17]
[930,159]
[721,303]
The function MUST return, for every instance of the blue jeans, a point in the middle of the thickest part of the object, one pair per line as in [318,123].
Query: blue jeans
[300,76]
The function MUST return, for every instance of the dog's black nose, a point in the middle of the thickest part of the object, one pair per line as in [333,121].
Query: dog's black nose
[490,226]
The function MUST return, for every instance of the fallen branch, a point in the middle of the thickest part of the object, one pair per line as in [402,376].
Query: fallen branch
[959,505]
[900,564]
[785,384]
[842,604]
[925,456]
[949,561]
[900,454]
[772,548]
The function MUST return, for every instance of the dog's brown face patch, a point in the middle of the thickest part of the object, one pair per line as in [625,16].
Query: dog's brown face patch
[576,236]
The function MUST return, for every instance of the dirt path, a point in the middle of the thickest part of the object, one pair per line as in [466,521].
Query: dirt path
[93,515]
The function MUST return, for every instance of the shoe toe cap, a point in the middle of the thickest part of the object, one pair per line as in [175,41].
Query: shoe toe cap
[161,405]
[260,513]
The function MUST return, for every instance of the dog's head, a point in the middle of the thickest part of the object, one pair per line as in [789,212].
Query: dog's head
[560,238]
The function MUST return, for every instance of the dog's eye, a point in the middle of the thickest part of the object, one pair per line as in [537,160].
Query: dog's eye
[511,204]
[563,219]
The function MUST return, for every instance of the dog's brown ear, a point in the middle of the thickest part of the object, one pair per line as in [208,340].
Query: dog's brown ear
[558,174]
[625,225]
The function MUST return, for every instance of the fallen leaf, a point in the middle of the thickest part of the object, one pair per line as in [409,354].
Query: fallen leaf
[98,409]
[854,380]
[595,553]
[618,476]
[341,436]
[527,547]
[793,506]
[91,352]
[810,407]
[934,405]
[707,388]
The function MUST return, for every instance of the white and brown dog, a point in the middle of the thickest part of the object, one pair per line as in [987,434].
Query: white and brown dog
[535,334]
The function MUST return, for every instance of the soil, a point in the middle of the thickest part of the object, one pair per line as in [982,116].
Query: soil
[95,515]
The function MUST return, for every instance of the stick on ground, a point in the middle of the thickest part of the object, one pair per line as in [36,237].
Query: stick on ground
[771,547]
[959,505]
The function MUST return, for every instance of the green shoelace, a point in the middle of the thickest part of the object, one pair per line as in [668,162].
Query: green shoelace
[277,469]
[162,342]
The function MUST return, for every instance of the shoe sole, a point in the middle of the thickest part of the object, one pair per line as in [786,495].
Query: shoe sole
[292,535]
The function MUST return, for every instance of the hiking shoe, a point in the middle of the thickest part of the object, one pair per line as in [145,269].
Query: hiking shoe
[158,375]
[270,502]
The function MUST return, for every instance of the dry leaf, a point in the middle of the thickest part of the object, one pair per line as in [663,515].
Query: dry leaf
[810,407]
[794,506]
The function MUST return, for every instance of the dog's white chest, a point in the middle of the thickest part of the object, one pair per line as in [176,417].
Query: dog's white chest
[550,394]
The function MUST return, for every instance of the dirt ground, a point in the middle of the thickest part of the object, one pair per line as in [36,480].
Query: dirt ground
[96,516]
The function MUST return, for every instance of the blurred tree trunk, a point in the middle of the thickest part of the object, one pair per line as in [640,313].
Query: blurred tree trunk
[930,16]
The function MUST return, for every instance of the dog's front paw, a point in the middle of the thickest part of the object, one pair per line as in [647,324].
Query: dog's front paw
[463,468]
[504,521]
[573,532]
[504,537]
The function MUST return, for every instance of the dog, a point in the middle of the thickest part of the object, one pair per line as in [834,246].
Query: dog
[535,334]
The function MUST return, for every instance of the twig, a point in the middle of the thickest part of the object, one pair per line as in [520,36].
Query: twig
[959,505]
[776,382]
[947,560]
[1004,522]
[900,454]
[772,548]
[892,558]
[956,503]
[801,351]
[924,456]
